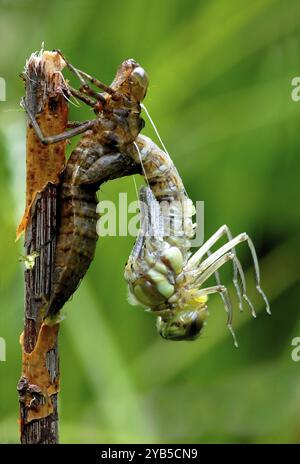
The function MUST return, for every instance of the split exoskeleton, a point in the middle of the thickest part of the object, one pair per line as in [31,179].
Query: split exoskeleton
[162,274]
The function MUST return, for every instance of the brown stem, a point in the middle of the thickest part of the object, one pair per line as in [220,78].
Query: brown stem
[39,383]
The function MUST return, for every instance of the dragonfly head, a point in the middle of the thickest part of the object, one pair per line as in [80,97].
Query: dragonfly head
[183,325]
[131,80]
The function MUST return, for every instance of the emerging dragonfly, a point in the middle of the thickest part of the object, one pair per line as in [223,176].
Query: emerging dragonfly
[161,273]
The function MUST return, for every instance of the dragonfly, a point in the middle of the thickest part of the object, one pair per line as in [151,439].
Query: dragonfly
[161,272]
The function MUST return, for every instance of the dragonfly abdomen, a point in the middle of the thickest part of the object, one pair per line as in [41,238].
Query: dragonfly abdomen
[76,243]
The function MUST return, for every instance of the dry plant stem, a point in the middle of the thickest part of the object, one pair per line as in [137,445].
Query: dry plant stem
[39,384]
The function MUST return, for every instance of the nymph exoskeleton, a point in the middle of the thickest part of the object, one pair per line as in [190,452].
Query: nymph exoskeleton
[161,273]
[99,154]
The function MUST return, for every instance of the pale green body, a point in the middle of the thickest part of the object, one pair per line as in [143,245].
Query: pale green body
[154,270]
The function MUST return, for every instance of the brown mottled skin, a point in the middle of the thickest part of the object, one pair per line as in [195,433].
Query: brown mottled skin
[99,156]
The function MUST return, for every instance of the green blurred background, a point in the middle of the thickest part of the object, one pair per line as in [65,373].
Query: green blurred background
[220,93]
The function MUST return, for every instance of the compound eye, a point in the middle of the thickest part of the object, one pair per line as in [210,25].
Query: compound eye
[140,74]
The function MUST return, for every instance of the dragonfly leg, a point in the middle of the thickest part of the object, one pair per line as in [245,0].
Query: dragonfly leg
[58,137]
[257,273]
[82,76]
[218,282]
[72,124]
[203,275]
[223,292]
[82,97]
[205,249]
[229,246]
[87,89]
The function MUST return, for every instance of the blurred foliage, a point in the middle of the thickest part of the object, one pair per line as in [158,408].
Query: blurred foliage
[220,95]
